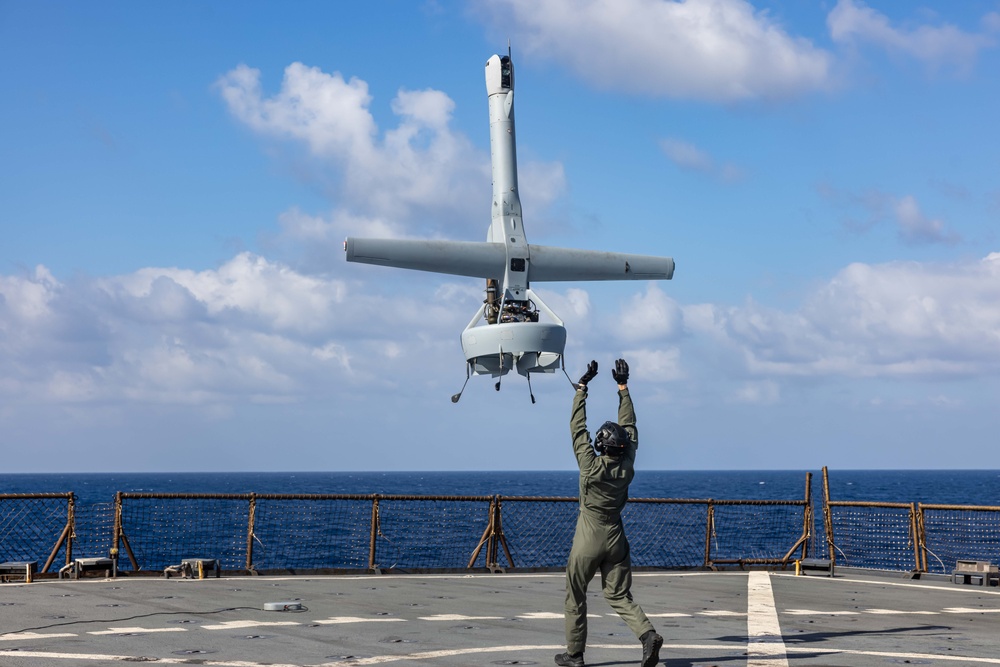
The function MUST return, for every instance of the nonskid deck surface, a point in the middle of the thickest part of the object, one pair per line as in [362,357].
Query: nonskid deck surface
[727,619]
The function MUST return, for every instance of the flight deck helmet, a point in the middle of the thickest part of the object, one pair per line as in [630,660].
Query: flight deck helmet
[611,439]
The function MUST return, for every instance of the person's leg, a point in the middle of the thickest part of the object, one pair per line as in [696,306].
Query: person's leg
[616,581]
[584,560]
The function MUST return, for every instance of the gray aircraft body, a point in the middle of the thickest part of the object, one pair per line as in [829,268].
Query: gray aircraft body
[506,332]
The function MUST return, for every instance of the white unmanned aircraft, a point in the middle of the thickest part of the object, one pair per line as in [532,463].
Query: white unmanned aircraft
[505,332]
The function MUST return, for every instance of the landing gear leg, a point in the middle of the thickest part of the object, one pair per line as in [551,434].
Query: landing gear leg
[455,397]
[562,361]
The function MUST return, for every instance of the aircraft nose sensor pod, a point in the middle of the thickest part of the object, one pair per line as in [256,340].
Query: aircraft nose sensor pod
[505,333]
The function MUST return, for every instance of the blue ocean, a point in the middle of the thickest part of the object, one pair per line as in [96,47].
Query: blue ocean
[960,487]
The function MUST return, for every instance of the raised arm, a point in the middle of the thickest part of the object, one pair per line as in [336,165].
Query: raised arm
[626,411]
[578,420]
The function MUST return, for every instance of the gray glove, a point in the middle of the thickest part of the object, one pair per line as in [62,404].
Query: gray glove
[589,375]
[620,372]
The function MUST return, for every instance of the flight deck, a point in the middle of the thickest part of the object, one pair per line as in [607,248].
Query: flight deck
[725,619]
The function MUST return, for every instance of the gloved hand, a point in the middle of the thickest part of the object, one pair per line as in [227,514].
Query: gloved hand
[589,375]
[620,372]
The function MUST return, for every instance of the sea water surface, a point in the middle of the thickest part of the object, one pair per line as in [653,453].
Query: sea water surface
[960,487]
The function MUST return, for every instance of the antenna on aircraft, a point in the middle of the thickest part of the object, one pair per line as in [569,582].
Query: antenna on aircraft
[506,332]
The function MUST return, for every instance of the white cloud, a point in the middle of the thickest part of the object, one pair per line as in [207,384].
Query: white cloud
[765,392]
[251,330]
[419,165]
[913,226]
[651,315]
[656,365]
[718,50]
[688,156]
[901,319]
[852,22]
[420,178]
[169,345]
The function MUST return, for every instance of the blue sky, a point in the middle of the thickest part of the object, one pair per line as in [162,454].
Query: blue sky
[177,179]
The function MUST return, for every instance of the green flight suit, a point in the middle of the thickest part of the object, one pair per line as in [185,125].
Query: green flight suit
[599,542]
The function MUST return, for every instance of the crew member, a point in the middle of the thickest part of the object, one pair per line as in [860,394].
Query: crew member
[606,470]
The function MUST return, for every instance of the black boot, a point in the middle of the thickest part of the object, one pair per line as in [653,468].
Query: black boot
[651,643]
[569,660]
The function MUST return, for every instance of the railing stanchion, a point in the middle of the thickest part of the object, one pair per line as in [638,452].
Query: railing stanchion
[374,532]
[250,531]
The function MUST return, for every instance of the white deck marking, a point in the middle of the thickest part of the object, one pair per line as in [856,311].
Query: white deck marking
[119,631]
[103,657]
[459,617]
[432,655]
[333,620]
[11,636]
[968,610]
[816,612]
[886,612]
[765,647]
[721,612]
[886,655]
[669,614]
[230,625]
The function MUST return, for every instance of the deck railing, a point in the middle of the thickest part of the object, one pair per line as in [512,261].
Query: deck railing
[299,533]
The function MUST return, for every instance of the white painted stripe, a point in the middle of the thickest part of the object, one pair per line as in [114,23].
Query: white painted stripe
[966,590]
[459,617]
[431,655]
[118,631]
[448,653]
[669,614]
[968,610]
[765,647]
[893,612]
[52,655]
[721,612]
[231,625]
[816,612]
[548,615]
[11,636]
[885,655]
[335,620]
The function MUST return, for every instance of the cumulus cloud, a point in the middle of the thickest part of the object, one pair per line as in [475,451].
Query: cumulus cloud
[718,50]
[853,22]
[901,319]
[255,331]
[688,156]
[420,178]
[250,330]
[651,315]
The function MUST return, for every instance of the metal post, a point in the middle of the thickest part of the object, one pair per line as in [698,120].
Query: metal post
[250,530]
[916,537]
[922,528]
[808,519]
[374,532]
[491,544]
[827,518]
[71,524]
[708,534]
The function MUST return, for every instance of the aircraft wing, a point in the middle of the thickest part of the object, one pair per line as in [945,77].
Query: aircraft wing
[479,259]
[475,259]
[559,264]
